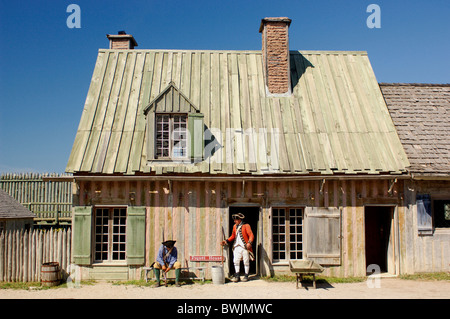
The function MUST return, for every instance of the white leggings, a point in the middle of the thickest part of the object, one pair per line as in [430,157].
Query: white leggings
[241,254]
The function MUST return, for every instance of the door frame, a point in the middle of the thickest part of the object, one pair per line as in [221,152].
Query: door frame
[392,259]
[257,244]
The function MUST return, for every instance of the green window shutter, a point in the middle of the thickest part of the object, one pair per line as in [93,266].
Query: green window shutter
[82,233]
[323,235]
[151,136]
[196,136]
[135,235]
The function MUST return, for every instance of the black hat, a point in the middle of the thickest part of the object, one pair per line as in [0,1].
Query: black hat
[169,243]
[238,215]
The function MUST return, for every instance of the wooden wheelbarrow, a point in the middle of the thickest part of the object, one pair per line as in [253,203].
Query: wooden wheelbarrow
[305,267]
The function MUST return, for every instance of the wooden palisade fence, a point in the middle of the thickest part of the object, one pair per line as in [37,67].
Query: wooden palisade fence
[49,196]
[22,253]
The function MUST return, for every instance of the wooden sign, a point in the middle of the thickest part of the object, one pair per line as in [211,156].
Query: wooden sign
[207,258]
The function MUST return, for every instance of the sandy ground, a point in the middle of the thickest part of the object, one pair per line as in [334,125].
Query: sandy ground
[385,288]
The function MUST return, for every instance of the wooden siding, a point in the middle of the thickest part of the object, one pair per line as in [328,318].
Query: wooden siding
[194,212]
[171,101]
[428,253]
[335,121]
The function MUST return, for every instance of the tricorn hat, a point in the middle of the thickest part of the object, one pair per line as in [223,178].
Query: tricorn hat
[238,215]
[169,243]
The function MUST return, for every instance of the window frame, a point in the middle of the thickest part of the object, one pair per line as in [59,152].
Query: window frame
[435,213]
[288,234]
[110,251]
[172,132]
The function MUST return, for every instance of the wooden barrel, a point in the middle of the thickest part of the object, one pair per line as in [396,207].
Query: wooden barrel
[50,274]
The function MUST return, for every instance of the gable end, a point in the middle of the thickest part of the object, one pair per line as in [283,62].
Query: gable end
[171,100]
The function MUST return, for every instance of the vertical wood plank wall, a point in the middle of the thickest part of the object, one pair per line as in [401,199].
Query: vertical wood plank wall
[425,253]
[194,212]
[22,253]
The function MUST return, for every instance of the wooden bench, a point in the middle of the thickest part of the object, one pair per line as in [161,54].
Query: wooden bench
[188,269]
[190,274]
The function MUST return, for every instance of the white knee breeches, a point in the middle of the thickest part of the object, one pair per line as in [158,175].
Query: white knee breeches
[241,254]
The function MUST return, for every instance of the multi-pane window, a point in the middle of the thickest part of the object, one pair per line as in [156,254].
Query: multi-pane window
[162,135]
[171,136]
[110,234]
[287,230]
[442,213]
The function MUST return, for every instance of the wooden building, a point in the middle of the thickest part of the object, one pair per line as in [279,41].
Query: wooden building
[421,113]
[13,215]
[172,142]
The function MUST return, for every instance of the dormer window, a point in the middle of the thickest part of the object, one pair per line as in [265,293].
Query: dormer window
[171,136]
[175,129]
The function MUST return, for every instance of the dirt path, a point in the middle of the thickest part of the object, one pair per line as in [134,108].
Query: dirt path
[389,288]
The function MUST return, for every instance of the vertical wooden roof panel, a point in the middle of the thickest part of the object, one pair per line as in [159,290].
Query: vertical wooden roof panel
[334,121]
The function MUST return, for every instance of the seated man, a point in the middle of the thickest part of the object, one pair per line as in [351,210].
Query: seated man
[166,260]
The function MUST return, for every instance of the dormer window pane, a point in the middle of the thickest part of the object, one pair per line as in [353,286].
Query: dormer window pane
[171,136]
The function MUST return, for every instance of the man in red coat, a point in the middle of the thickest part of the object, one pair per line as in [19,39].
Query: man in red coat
[242,239]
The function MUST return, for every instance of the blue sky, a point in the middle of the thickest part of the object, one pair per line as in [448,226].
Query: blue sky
[46,67]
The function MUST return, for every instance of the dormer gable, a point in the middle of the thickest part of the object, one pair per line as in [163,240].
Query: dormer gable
[171,100]
[175,128]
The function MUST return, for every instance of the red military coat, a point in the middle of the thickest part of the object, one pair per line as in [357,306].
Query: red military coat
[246,235]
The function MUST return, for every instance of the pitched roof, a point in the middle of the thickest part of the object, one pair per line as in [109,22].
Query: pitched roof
[10,208]
[421,114]
[335,121]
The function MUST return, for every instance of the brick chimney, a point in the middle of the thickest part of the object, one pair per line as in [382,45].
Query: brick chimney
[121,41]
[275,51]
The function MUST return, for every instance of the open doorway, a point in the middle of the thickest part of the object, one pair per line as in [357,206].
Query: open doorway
[251,214]
[378,236]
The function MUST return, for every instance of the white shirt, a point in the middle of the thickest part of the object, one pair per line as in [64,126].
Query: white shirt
[238,241]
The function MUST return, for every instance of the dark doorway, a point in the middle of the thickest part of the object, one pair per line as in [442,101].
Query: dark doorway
[251,217]
[378,220]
